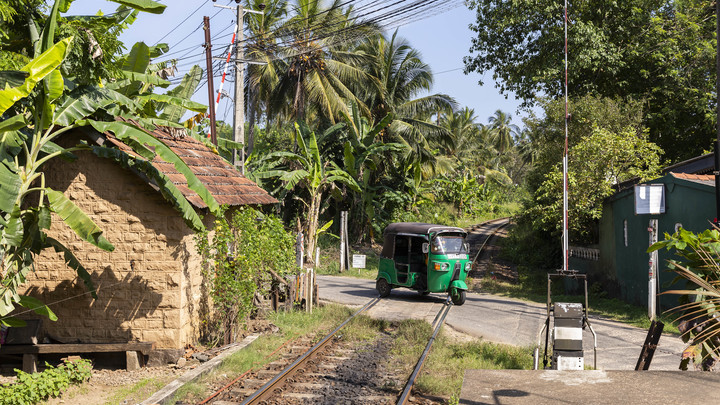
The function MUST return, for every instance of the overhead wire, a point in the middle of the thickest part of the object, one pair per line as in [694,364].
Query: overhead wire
[180,24]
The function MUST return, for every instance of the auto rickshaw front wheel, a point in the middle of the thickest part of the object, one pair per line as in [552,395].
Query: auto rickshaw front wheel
[457,296]
[383,287]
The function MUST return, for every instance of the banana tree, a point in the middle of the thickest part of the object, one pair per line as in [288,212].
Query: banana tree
[308,170]
[360,157]
[36,109]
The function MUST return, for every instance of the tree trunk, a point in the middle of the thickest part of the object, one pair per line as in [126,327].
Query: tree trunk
[311,226]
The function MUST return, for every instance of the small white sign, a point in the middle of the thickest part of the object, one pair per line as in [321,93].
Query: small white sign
[358,261]
[650,199]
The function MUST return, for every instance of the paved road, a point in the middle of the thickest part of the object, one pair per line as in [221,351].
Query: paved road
[503,320]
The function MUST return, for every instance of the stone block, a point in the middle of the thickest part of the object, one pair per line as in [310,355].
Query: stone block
[133,360]
[163,338]
[173,279]
[162,357]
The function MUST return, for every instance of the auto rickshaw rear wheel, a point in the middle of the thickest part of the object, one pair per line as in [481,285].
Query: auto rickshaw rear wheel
[457,296]
[383,288]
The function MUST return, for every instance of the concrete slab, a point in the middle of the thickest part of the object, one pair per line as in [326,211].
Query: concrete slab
[515,387]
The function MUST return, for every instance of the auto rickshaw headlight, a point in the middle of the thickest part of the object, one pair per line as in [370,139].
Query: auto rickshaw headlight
[468,266]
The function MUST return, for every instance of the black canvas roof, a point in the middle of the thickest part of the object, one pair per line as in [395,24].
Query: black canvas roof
[420,228]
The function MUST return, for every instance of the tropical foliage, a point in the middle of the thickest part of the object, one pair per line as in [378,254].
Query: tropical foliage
[659,51]
[698,276]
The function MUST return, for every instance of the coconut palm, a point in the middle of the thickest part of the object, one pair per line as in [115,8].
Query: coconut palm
[504,132]
[316,68]
[399,77]
[261,46]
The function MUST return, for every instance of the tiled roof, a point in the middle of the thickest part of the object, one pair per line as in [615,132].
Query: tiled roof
[706,179]
[223,180]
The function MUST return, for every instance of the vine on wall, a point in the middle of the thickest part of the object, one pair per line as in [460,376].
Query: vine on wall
[238,254]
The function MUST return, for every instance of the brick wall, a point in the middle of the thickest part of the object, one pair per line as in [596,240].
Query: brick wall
[149,287]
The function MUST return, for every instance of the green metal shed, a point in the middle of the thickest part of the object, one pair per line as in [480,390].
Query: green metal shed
[625,235]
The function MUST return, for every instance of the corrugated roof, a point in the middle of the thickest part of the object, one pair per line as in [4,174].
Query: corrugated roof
[222,179]
[706,179]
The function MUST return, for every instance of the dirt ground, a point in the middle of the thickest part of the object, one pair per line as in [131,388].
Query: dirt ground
[491,265]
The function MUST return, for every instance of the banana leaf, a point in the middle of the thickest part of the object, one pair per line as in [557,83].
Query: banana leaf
[72,262]
[12,233]
[171,110]
[51,147]
[147,6]
[37,306]
[138,59]
[77,220]
[145,78]
[127,133]
[84,101]
[38,69]
[103,20]
[10,184]
[12,78]
[179,102]
[169,191]
[55,85]
[13,124]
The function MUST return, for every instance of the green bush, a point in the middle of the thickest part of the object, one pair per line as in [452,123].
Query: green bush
[33,388]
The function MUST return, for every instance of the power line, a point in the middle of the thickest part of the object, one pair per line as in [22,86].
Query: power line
[181,23]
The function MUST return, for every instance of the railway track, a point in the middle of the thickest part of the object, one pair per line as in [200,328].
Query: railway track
[479,236]
[331,372]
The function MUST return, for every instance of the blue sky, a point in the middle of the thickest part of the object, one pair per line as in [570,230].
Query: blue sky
[442,39]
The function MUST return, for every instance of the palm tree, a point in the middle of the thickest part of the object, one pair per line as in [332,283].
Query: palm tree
[504,132]
[399,76]
[316,67]
[261,47]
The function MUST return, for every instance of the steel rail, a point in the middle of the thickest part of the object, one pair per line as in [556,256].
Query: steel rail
[411,381]
[266,390]
[499,227]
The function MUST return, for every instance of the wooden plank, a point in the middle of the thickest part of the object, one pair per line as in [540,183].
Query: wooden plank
[143,347]
[651,343]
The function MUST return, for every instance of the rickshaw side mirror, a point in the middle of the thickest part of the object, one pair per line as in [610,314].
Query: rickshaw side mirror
[425,247]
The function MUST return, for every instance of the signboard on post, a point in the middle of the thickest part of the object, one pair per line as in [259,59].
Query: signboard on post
[650,199]
[358,261]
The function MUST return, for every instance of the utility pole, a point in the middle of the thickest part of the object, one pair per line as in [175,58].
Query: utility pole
[239,116]
[211,87]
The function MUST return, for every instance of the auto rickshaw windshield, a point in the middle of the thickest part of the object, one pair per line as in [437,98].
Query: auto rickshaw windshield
[447,244]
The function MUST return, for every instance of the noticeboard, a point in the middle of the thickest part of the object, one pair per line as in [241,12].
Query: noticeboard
[358,261]
[650,199]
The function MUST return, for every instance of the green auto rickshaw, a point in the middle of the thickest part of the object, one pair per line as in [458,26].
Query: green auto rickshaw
[424,257]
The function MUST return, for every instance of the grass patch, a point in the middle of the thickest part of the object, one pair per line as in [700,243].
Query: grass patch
[444,368]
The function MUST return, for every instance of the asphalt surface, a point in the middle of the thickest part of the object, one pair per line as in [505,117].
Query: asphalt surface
[504,320]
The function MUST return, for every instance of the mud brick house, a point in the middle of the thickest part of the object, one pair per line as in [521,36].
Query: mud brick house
[150,288]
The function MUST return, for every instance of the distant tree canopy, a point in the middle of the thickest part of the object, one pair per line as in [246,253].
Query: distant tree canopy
[659,52]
